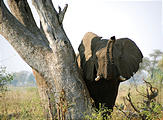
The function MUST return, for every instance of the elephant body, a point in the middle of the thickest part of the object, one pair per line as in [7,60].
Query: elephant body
[105,63]
[103,91]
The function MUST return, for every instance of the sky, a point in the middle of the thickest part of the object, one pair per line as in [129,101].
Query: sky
[139,20]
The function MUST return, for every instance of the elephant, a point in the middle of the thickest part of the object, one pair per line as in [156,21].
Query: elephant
[105,64]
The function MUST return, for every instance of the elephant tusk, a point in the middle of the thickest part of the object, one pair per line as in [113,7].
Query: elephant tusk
[121,78]
[97,78]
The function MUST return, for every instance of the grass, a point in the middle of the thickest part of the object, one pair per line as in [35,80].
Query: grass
[23,103]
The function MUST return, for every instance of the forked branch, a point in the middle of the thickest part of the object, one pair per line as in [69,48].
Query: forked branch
[25,42]
[21,10]
[62,13]
[51,20]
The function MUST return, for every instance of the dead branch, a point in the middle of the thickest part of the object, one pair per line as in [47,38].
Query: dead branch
[62,13]
[128,98]
[152,92]
[122,111]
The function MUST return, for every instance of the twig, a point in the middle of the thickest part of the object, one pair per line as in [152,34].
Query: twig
[130,101]
[122,111]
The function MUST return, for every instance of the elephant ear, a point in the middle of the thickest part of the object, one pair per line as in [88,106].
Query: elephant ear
[127,57]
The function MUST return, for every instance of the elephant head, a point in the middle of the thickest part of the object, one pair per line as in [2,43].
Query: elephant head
[105,63]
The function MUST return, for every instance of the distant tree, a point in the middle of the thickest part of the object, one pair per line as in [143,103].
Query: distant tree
[160,64]
[144,70]
[145,65]
[150,64]
[155,55]
[23,78]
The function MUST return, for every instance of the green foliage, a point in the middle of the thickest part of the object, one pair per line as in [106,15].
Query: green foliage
[153,111]
[5,79]
[150,64]
[99,114]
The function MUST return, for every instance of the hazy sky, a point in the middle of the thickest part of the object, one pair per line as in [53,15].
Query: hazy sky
[139,20]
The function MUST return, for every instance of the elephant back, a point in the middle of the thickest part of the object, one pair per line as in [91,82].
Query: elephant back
[87,49]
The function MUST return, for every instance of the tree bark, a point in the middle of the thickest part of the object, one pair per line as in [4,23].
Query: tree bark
[49,53]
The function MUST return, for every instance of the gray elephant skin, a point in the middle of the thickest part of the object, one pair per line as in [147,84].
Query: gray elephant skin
[105,63]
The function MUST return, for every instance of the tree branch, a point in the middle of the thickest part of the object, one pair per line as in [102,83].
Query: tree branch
[21,10]
[152,92]
[25,43]
[130,101]
[50,21]
[122,111]
[62,13]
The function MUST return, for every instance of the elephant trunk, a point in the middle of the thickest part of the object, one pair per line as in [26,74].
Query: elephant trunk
[109,68]
[106,67]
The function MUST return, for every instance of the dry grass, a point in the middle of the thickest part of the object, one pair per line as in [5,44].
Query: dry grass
[123,91]
[21,104]
[24,104]
[125,88]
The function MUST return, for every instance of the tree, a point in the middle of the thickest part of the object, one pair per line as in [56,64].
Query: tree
[145,65]
[155,55]
[48,51]
[160,64]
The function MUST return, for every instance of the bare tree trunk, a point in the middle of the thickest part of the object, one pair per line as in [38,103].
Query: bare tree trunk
[49,53]
[49,106]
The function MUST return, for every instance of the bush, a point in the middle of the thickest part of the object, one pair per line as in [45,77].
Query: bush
[5,79]
[99,114]
[145,106]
